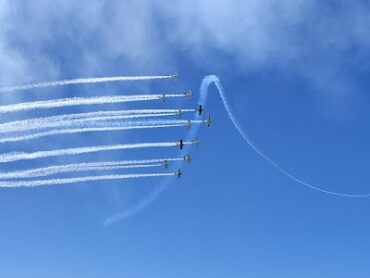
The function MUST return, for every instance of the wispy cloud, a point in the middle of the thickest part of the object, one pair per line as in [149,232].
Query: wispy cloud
[308,37]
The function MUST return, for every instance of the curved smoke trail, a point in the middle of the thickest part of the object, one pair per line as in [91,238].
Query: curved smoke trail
[155,193]
[205,84]
[83,81]
[213,79]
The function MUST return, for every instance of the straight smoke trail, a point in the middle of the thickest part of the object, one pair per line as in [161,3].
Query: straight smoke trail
[37,124]
[63,169]
[83,81]
[76,101]
[61,181]
[99,126]
[79,167]
[83,130]
[54,121]
[16,156]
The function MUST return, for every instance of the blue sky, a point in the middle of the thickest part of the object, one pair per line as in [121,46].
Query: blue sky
[296,75]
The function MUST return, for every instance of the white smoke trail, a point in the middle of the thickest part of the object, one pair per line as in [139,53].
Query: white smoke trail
[83,130]
[95,125]
[15,156]
[212,79]
[83,81]
[76,101]
[206,82]
[60,181]
[77,167]
[53,121]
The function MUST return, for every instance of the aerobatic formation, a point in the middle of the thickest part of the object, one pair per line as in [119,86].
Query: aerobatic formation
[23,131]
[100,118]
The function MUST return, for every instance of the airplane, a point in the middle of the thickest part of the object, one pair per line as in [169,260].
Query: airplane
[180,113]
[208,121]
[165,164]
[199,109]
[189,94]
[189,124]
[178,173]
[181,144]
[187,158]
[164,97]
[175,76]
[197,141]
